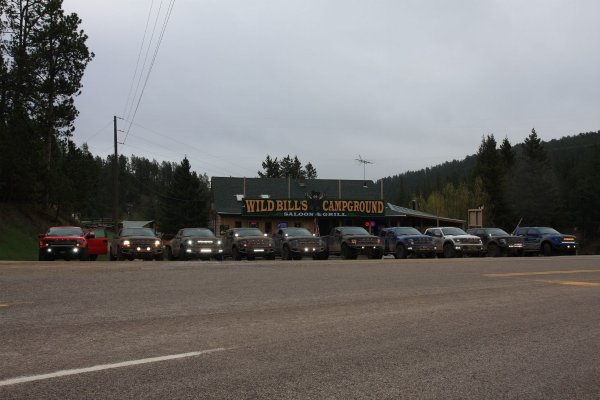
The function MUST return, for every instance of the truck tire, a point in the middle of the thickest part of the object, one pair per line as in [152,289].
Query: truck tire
[93,257]
[169,253]
[285,253]
[400,251]
[546,249]
[183,256]
[235,254]
[347,252]
[449,250]
[120,256]
[42,255]
[83,256]
[493,250]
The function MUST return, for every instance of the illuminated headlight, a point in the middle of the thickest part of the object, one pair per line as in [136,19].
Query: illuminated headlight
[243,243]
[457,240]
[190,242]
[411,241]
[75,250]
[378,241]
[219,243]
[353,241]
[157,243]
[79,243]
[126,243]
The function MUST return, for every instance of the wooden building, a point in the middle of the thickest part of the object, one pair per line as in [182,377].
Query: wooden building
[316,204]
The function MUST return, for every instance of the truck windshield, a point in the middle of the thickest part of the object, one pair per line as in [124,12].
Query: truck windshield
[406,231]
[65,231]
[548,231]
[248,232]
[297,232]
[496,232]
[137,232]
[198,232]
[453,231]
[354,230]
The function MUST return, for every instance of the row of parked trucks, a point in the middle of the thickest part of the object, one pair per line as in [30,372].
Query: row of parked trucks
[295,243]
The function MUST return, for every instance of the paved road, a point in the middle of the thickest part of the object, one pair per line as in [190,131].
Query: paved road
[526,328]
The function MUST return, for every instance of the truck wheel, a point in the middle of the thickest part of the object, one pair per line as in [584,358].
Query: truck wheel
[493,250]
[169,253]
[83,256]
[347,252]
[449,251]
[400,251]
[183,256]
[120,256]
[111,257]
[546,249]
[236,255]
[285,253]
[93,257]
[159,257]
[42,256]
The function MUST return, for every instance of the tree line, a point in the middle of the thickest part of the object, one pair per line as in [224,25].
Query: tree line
[551,184]
[43,56]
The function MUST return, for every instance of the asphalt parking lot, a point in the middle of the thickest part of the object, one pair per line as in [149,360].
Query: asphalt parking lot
[457,328]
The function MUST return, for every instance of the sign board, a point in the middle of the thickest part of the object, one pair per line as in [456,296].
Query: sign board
[309,208]
[475,218]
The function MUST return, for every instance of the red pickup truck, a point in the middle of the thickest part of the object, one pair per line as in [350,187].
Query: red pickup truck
[71,242]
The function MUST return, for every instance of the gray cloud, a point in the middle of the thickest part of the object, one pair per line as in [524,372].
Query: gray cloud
[405,84]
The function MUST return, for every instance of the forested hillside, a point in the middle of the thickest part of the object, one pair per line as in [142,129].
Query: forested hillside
[543,183]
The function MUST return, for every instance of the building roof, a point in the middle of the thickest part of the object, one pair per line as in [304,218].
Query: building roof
[227,191]
[392,210]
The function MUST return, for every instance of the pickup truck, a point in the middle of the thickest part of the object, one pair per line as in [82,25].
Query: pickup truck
[132,243]
[404,241]
[350,241]
[497,242]
[294,243]
[70,242]
[451,242]
[191,243]
[249,243]
[547,241]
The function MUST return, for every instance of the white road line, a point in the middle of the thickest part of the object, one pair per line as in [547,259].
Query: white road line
[67,372]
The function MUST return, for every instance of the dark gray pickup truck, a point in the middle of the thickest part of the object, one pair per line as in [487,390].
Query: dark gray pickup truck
[294,243]
[350,241]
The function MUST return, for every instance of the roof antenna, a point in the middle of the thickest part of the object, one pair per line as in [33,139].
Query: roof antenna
[364,164]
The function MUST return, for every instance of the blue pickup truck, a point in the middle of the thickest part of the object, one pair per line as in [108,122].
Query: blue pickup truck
[547,241]
[404,241]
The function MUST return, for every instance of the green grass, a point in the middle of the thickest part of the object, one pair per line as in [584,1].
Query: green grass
[17,244]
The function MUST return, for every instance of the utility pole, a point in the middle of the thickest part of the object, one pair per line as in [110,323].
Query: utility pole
[115,180]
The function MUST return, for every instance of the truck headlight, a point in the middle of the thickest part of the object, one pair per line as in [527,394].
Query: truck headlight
[126,243]
[157,243]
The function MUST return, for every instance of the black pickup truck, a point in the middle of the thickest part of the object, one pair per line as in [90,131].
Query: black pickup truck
[350,241]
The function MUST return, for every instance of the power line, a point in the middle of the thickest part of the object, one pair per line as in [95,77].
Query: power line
[126,109]
[160,39]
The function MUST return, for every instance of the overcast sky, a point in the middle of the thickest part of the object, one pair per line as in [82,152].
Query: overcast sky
[405,84]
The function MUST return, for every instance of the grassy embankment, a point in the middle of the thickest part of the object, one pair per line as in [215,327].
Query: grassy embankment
[20,226]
